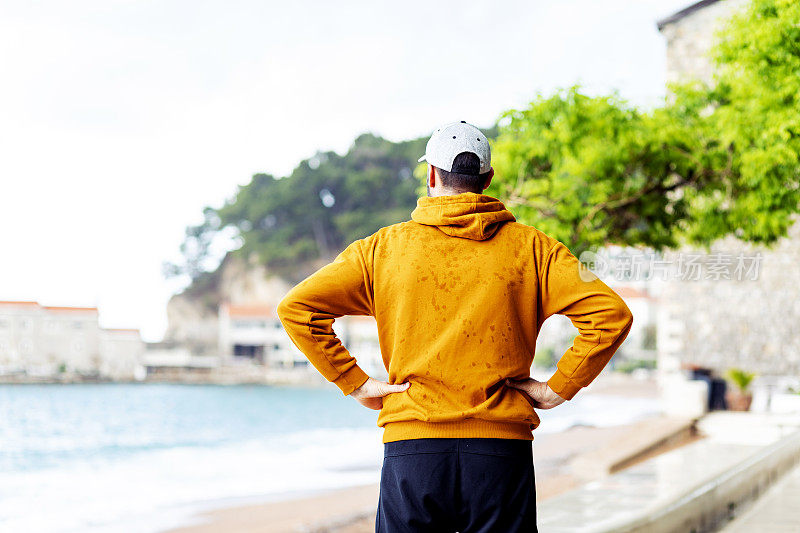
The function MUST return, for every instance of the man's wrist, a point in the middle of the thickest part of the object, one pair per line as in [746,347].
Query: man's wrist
[554,392]
[351,380]
[562,385]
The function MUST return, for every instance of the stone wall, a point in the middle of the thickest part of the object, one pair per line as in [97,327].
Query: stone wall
[689,40]
[718,321]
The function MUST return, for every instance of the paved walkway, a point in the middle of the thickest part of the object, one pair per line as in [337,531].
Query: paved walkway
[777,511]
[641,490]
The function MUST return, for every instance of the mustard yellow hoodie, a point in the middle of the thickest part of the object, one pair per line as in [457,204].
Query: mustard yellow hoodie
[459,293]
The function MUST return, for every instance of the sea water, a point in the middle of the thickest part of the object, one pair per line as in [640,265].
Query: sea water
[145,457]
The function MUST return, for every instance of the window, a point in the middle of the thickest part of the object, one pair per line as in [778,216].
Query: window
[247,324]
[249,351]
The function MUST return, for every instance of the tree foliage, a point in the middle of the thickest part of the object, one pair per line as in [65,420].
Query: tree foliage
[715,159]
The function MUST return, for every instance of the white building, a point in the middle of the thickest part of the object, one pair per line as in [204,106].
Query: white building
[253,333]
[42,341]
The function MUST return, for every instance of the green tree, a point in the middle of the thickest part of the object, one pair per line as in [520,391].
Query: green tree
[713,160]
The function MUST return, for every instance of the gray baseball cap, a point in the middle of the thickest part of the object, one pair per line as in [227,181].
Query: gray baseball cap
[453,139]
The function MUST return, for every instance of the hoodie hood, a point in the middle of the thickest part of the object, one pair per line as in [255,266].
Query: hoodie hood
[467,215]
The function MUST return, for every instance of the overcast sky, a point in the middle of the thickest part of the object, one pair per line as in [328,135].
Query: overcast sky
[120,120]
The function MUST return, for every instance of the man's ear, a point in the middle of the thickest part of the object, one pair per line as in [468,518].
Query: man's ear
[489,179]
[431,176]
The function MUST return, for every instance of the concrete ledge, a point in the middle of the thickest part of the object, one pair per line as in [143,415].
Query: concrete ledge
[712,503]
[691,488]
[645,439]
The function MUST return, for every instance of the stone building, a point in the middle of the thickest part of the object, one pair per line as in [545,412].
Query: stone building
[739,306]
[690,35]
[44,342]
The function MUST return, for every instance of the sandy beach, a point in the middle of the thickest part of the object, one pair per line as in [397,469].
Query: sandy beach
[352,510]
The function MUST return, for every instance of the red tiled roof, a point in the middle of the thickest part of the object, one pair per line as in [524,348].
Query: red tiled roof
[631,292]
[71,309]
[26,303]
[361,318]
[250,311]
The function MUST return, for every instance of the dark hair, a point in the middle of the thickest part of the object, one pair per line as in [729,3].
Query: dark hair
[465,174]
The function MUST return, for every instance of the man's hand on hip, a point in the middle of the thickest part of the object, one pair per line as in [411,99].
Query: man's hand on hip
[541,396]
[371,393]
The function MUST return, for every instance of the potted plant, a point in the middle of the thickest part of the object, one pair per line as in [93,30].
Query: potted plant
[740,398]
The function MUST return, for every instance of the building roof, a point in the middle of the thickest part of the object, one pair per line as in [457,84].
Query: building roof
[360,318]
[250,311]
[631,292]
[19,303]
[71,309]
[122,333]
[675,17]
[26,303]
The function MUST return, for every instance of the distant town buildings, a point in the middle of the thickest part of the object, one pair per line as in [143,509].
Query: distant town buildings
[44,342]
[241,339]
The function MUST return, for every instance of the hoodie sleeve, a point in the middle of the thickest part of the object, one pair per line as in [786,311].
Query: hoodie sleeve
[307,312]
[602,318]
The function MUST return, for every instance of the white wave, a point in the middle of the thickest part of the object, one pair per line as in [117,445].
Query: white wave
[164,486]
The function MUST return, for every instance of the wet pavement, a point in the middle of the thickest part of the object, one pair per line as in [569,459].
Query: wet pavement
[777,511]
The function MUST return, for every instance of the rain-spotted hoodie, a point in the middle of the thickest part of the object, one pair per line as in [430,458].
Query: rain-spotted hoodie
[459,293]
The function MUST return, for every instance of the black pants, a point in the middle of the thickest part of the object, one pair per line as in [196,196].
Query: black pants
[464,485]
